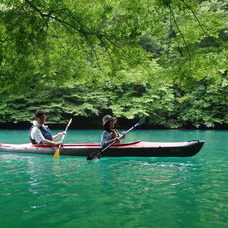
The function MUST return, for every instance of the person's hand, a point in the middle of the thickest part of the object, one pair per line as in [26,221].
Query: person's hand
[117,140]
[123,133]
[62,133]
[59,143]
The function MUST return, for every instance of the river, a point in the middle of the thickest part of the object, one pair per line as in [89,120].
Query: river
[39,191]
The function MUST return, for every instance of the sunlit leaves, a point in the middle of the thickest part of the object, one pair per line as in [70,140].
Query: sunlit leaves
[162,58]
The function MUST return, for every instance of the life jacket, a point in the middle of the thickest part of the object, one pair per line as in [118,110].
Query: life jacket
[46,132]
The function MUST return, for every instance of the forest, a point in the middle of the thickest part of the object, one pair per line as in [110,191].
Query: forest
[165,59]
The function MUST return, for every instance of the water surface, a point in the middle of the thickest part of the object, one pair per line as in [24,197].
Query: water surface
[39,191]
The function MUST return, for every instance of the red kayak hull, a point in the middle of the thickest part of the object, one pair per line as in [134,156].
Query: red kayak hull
[131,149]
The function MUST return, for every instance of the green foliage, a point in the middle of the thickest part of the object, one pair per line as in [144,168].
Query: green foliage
[166,59]
[206,105]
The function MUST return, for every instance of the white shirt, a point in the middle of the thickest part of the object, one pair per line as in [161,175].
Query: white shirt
[36,133]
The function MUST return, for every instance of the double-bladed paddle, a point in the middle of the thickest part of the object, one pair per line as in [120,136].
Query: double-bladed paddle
[57,152]
[98,154]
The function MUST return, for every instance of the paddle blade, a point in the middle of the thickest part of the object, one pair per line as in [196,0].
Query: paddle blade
[93,156]
[57,153]
[69,123]
[142,121]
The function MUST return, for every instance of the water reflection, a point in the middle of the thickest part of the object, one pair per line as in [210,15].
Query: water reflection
[146,184]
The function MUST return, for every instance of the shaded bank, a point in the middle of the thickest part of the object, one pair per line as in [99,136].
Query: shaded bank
[202,106]
[83,123]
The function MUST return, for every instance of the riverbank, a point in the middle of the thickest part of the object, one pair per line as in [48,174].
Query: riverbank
[83,123]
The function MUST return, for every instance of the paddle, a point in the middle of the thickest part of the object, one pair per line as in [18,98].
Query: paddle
[57,152]
[98,154]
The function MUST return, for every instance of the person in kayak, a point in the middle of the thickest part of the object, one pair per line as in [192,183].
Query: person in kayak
[41,134]
[110,134]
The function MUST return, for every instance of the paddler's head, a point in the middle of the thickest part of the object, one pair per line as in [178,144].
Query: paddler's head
[40,116]
[108,122]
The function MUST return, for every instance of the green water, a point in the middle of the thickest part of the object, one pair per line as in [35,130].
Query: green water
[39,191]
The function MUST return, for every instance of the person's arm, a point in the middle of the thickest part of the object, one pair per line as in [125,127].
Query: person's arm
[116,135]
[39,138]
[51,143]
[60,134]
[106,138]
[37,135]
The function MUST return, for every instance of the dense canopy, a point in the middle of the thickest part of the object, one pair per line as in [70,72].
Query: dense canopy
[166,59]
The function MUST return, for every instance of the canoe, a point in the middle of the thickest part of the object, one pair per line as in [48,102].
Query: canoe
[129,149]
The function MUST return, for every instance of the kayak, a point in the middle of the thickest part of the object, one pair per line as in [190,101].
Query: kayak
[129,149]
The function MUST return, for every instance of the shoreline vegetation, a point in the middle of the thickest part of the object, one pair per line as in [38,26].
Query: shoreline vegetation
[164,59]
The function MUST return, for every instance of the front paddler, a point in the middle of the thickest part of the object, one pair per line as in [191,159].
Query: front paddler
[40,133]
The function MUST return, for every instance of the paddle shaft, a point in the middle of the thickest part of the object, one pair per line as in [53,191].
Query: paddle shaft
[63,137]
[57,152]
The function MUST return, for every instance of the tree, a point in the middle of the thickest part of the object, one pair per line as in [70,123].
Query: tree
[168,48]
